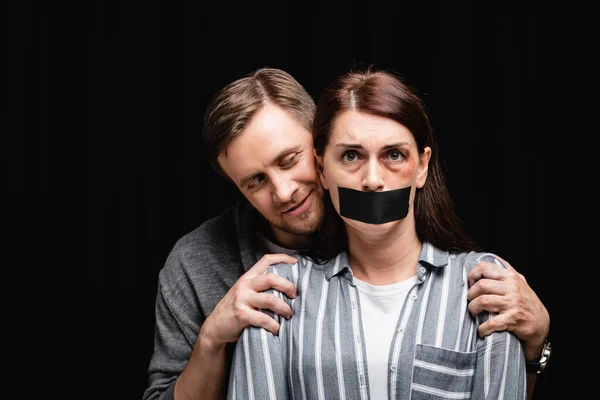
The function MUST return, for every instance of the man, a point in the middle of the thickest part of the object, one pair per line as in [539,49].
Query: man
[257,133]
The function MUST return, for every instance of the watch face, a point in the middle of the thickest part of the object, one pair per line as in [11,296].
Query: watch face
[545,356]
[546,353]
[537,367]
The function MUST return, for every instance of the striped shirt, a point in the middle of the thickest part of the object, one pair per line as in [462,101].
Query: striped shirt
[435,352]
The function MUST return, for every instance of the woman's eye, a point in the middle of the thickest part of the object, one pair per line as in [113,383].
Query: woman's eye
[395,155]
[349,156]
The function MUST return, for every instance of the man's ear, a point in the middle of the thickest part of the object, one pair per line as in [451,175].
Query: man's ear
[423,168]
[320,170]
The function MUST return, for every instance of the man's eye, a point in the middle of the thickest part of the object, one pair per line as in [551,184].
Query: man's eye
[256,182]
[290,161]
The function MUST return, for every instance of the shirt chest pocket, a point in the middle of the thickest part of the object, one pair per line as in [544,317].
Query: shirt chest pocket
[442,373]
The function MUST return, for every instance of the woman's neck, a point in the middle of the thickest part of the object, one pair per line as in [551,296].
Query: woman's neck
[385,259]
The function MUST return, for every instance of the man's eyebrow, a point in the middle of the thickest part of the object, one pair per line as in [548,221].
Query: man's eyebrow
[244,181]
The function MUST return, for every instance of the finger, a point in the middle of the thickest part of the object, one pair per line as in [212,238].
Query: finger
[270,301]
[266,261]
[486,286]
[278,258]
[497,323]
[262,320]
[486,270]
[510,267]
[273,281]
[506,263]
[487,302]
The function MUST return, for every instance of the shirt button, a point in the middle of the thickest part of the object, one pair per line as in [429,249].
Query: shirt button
[422,269]
[400,330]
[413,296]
[393,368]
[452,256]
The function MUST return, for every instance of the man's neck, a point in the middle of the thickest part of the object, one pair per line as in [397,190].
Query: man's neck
[284,239]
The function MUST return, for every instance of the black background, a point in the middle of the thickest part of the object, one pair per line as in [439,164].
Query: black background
[104,169]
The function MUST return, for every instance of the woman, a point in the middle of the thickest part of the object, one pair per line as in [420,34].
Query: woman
[381,309]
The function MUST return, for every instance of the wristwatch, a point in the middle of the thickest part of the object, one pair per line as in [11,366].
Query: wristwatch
[537,367]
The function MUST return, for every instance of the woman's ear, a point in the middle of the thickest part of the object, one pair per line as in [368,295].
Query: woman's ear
[320,170]
[423,168]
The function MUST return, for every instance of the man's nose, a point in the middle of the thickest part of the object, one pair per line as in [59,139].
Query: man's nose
[283,188]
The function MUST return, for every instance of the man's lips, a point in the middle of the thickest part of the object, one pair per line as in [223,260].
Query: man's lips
[297,205]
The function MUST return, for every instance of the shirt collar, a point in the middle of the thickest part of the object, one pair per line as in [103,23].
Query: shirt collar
[433,256]
[430,256]
[338,266]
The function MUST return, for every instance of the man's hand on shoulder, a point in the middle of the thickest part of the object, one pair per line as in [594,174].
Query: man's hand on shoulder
[241,306]
[505,291]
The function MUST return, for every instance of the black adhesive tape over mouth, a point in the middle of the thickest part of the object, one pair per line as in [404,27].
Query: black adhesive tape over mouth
[374,207]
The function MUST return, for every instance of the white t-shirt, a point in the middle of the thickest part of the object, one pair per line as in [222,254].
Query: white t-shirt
[380,309]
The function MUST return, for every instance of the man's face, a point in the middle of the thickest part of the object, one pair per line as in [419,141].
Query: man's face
[272,164]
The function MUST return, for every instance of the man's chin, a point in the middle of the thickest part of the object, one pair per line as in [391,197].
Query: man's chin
[303,224]
[305,229]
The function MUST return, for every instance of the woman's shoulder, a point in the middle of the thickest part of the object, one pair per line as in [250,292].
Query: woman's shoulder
[304,264]
[469,259]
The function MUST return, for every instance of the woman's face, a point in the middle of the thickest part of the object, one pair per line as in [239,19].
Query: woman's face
[371,153]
